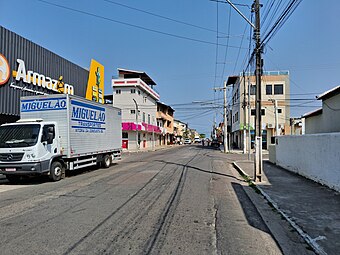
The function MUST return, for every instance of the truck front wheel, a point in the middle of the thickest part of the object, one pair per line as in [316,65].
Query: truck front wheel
[56,171]
[106,161]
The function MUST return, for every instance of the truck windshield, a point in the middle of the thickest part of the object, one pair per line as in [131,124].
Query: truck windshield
[19,135]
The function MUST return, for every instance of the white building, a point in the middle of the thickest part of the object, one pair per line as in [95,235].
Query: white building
[327,118]
[134,93]
[274,87]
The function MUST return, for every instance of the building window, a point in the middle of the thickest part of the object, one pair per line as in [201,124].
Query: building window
[252,89]
[269,89]
[278,89]
[125,135]
[148,118]
[133,111]
[118,91]
[143,116]
[253,112]
[138,92]
[133,91]
[236,117]
[279,110]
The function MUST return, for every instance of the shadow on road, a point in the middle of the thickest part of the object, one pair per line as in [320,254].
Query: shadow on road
[252,215]
[199,169]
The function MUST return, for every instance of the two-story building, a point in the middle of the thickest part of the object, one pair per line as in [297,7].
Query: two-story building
[275,91]
[165,120]
[134,93]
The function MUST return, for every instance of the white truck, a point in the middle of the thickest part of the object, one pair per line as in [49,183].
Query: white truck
[58,133]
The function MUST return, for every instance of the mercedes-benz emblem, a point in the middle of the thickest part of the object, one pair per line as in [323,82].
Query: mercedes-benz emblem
[9,157]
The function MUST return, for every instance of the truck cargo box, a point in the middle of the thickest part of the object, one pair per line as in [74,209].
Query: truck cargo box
[86,127]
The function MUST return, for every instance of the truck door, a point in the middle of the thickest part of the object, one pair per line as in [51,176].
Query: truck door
[49,140]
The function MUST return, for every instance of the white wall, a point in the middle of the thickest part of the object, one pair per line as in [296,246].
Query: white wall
[314,156]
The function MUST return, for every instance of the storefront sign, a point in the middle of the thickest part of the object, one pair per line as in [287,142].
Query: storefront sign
[31,77]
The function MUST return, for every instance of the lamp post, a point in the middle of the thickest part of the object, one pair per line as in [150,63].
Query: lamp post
[137,144]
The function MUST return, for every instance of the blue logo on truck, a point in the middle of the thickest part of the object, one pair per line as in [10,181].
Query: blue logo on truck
[37,105]
[87,118]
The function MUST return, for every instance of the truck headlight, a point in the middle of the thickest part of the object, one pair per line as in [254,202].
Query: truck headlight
[30,156]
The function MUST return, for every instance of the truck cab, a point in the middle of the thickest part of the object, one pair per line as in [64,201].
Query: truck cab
[28,147]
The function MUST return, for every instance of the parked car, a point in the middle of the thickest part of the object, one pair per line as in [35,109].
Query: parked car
[215,143]
[197,140]
[187,141]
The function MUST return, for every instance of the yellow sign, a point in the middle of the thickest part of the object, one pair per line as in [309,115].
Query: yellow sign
[95,84]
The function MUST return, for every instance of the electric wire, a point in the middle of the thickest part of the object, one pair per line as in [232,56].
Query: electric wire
[133,25]
[164,17]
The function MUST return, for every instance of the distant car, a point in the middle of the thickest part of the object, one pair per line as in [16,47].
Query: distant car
[215,143]
[187,141]
[197,140]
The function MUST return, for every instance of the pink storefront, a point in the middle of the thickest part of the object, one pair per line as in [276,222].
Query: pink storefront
[146,133]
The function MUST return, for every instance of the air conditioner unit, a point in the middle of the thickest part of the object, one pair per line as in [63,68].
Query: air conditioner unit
[269,125]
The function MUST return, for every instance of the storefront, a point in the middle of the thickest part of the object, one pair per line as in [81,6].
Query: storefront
[28,69]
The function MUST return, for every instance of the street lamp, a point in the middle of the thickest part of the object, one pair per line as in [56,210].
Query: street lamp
[137,144]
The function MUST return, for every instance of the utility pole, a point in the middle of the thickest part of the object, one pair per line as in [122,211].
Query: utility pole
[276,118]
[274,101]
[225,134]
[225,129]
[249,114]
[137,144]
[244,115]
[258,73]
[153,133]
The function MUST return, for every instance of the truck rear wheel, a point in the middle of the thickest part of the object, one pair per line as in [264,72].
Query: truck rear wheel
[106,163]
[56,171]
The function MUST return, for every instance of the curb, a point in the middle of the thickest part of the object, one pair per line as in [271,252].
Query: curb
[312,242]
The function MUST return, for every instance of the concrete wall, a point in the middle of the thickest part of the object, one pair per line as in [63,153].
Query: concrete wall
[272,153]
[314,156]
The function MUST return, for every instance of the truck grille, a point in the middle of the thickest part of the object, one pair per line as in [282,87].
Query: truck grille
[9,157]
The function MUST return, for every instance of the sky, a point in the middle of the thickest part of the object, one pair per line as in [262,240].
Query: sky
[188,47]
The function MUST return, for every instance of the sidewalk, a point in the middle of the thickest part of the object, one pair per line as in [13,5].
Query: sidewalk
[312,209]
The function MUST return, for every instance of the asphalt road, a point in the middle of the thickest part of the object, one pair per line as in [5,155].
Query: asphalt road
[183,200]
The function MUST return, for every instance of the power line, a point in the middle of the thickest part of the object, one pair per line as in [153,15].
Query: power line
[226,49]
[164,17]
[287,12]
[132,25]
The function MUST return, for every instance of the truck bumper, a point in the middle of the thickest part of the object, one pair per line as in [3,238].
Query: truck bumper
[22,168]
